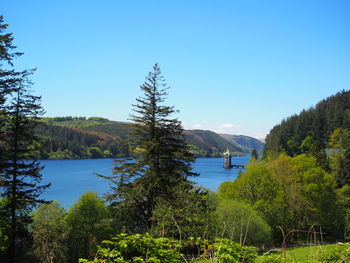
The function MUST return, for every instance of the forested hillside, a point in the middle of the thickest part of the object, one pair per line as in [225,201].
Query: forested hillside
[246,143]
[302,182]
[59,142]
[96,137]
[316,124]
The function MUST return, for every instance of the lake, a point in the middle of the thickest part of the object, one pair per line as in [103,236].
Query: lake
[71,178]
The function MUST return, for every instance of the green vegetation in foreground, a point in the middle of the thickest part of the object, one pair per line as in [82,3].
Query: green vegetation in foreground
[323,253]
[144,248]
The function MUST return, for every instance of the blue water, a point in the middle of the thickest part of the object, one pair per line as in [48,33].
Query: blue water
[71,178]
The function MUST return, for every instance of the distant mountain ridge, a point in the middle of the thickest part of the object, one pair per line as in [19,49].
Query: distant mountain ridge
[96,137]
[209,143]
[244,142]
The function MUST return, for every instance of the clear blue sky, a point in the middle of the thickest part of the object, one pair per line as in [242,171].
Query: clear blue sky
[237,67]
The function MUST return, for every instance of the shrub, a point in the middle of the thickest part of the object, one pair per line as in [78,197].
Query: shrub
[340,253]
[144,248]
[241,223]
[227,251]
[137,248]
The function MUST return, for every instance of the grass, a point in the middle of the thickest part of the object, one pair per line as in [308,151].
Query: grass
[302,254]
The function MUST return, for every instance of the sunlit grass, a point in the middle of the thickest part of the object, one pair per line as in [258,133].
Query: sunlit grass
[300,254]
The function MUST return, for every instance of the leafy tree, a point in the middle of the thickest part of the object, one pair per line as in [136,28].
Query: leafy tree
[261,190]
[160,159]
[319,191]
[307,145]
[186,215]
[49,233]
[88,224]
[241,223]
[343,199]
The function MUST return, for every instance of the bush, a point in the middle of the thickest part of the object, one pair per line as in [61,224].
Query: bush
[241,223]
[340,253]
[144,248]
[137,248]
[227,251]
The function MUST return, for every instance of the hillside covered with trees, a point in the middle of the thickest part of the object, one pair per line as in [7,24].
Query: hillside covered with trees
[316,124]
[96,137]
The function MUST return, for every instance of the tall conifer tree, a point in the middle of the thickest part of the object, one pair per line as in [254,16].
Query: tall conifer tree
[9,78]
[160,160]
[19,170]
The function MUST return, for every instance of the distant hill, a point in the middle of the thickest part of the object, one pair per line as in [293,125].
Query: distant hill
[245,143]
[317,123]
[208,143]
[96,137]
[98,124]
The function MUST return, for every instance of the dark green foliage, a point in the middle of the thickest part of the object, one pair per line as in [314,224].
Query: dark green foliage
[19,170]
[254,155]
[318,122]
[343,168]
[98,124]
[160,159]
[59,142]
[340,143]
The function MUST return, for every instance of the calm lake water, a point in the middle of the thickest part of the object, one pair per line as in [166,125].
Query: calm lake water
[71,178]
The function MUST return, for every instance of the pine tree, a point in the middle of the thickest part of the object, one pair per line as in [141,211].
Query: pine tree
[19,170]
[160,160]
[20,174]
[8,77]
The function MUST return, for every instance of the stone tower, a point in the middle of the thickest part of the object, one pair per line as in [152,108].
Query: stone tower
[227,159]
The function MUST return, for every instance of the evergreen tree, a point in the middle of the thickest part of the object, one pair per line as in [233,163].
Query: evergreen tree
[9,78]
[19,170]
[160,159]
[340,140]
[20,173]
